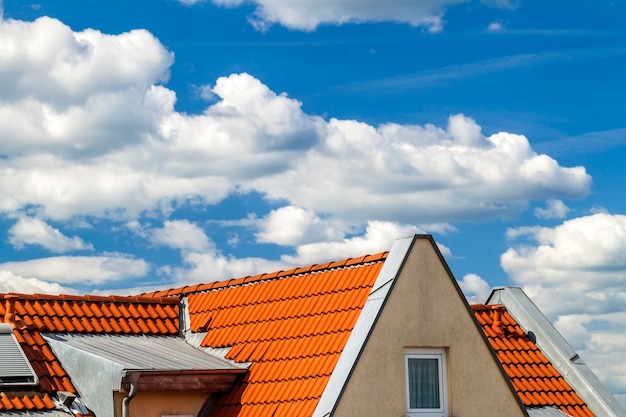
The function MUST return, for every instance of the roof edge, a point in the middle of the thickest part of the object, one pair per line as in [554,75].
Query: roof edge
[364,325]
[231,282]
[560,353]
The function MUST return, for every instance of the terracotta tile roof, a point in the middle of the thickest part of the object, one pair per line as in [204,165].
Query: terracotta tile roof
[97,314]
[36,314]
[290,325]
[537,382]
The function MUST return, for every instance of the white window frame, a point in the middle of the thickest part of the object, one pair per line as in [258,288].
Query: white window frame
[430,353]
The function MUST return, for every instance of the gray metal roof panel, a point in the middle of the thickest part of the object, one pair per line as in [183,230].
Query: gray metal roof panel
[141,352]
[546,412]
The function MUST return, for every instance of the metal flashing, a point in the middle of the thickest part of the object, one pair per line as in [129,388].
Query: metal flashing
[364,325]
[560,353]
[546,412]
[15,369]
[145,353]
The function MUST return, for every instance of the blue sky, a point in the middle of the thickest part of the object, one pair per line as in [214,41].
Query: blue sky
[155,144]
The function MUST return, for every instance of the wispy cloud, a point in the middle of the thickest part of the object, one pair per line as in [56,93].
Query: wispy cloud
[432,77]
[591,142]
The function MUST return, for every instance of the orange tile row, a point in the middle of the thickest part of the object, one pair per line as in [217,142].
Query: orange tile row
[265,311]
[290,325]
[288,328]
[294,348]
[296,408]
[25,401]
[536,381]
[94,314]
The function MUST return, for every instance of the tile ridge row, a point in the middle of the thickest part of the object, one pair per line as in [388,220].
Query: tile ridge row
[323,313]
[273,300]
[131,299]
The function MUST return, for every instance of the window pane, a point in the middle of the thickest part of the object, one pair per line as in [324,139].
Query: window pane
[423,383]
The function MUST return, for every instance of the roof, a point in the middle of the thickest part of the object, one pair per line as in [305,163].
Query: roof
[291,326]
[37,314]
[144,353]
[537,382]
[564,358]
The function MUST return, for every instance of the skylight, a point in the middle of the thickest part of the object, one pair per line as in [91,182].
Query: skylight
[15,370]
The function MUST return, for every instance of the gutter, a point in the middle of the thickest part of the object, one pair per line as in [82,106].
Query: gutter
[131,394]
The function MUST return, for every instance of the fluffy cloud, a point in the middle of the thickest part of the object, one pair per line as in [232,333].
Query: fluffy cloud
[181,234]
[555,209]
[475,288]
[416,174]
[33,231]
[584,256]
[88,135]
[308,14]
[575,272]
[378,236]
[9,282]
[212,265]
[80,269]
[90,132]
[293,226]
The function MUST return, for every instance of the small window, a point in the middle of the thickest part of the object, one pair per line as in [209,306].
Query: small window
[15,370]
[426,386]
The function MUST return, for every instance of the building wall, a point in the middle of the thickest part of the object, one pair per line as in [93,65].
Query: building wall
[157,404]
[426,310]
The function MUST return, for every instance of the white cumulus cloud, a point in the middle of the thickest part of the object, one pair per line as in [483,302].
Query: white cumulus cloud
[308,14]
[89,131]
[181,234]
[555,209]
[10,282]
[475,288]
[576,273]
[379,236]
[33,231]
[293,226]
[80,269]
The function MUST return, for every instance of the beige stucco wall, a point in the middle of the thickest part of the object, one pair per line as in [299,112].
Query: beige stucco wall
[424,309]
[156,404]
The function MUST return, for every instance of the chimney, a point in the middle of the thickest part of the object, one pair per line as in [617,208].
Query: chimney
[497,320]
[9,311]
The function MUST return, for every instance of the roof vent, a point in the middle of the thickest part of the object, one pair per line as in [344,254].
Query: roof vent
[15,369]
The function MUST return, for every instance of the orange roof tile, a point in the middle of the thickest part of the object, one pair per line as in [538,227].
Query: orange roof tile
[36,314]
[97,314]
[536,381]
[291,326]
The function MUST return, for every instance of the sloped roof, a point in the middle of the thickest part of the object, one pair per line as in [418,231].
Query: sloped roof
[537,382]
[37,314]
[291,326]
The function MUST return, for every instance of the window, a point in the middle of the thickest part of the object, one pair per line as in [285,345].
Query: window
[426,383]
[15,370]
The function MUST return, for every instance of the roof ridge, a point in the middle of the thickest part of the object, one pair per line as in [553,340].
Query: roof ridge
[263,277]
[90,298]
